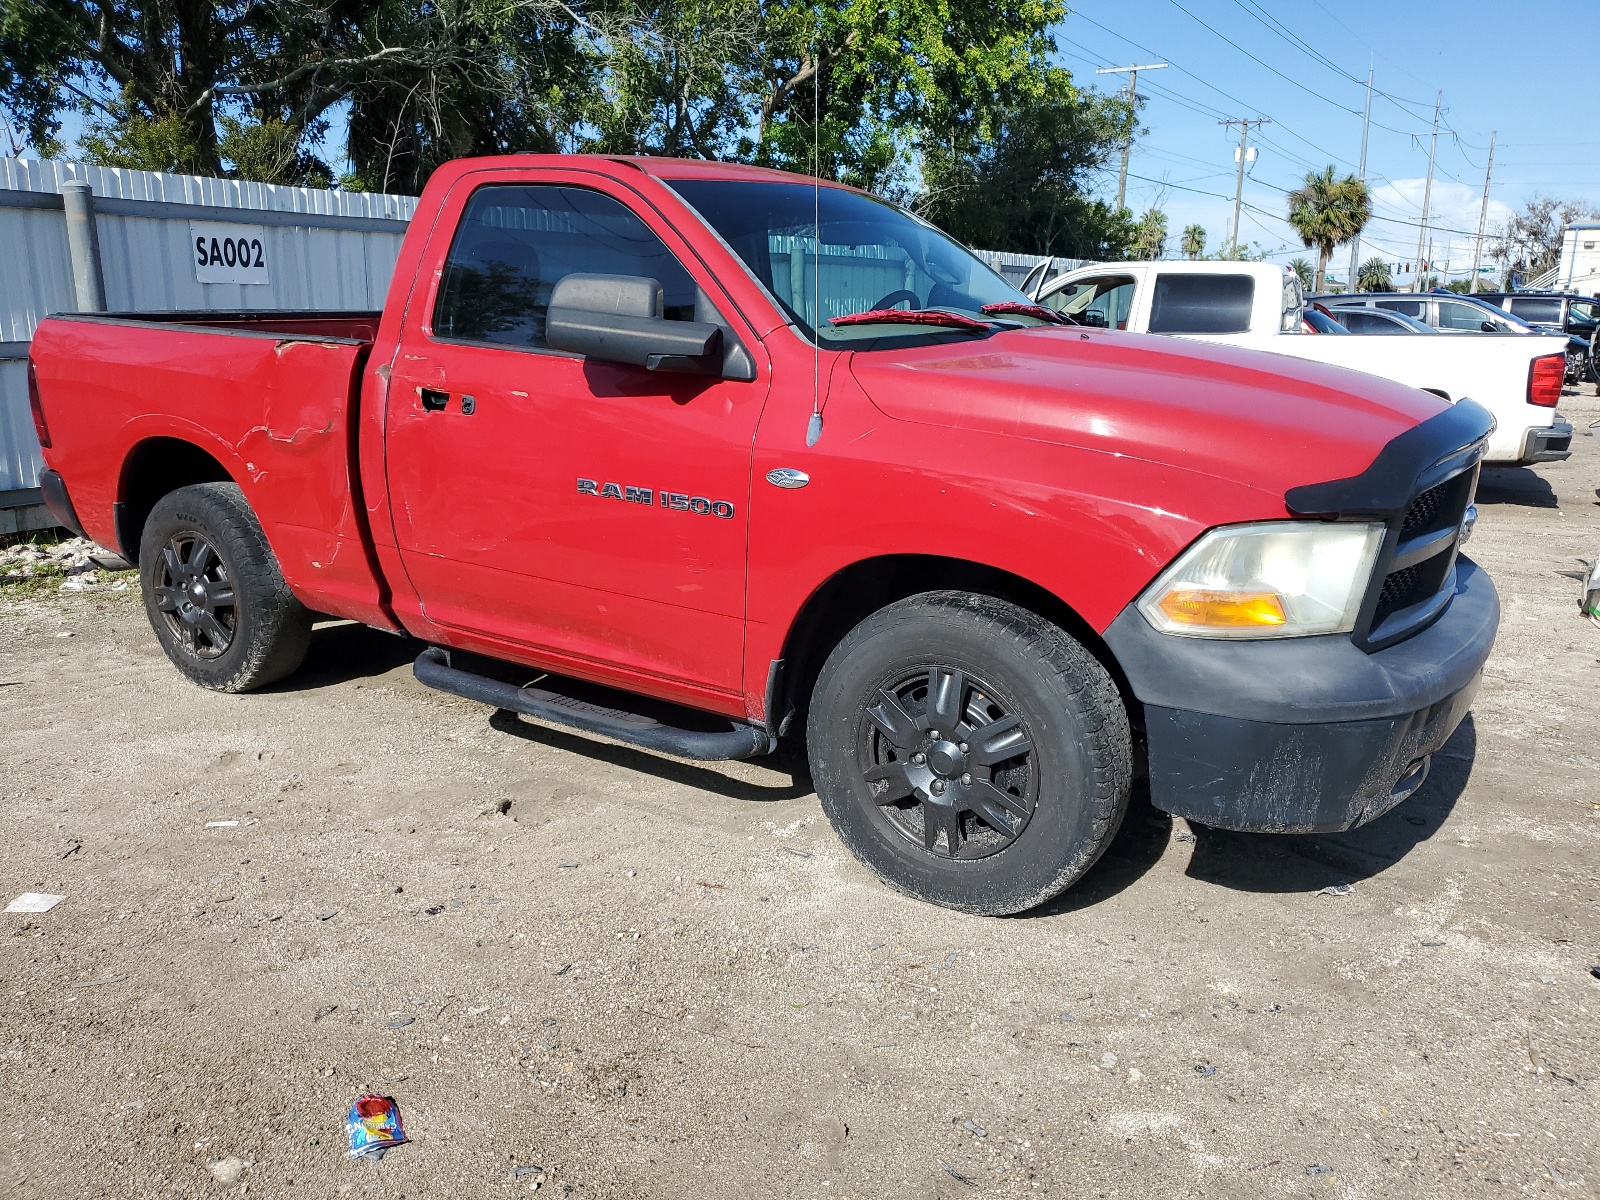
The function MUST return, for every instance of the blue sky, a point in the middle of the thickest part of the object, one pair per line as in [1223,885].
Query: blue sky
[1523,70]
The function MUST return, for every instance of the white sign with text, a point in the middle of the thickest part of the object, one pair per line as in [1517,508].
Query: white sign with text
[225,253]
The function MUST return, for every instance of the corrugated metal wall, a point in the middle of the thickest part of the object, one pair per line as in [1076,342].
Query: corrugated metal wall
[327,250]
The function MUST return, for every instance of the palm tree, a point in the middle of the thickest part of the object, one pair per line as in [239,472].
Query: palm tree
[1328,211]
[1374,276]
[1193,244]
[1302,268]
[1150,234]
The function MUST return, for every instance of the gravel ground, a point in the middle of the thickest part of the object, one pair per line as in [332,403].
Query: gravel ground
[644,978]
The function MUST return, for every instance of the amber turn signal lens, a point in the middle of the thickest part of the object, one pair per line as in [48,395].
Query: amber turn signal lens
[1236,610]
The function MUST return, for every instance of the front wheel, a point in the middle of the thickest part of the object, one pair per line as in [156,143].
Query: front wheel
[214,594]
[969,752]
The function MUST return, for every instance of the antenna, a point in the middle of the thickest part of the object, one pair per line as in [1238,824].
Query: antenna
[814,425]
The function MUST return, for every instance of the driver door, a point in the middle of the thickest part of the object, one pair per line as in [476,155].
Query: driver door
[585,515]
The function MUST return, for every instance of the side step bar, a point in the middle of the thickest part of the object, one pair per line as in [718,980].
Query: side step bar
[433,669]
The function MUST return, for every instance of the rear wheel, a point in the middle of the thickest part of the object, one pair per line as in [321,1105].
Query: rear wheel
[214,594]
[969,752]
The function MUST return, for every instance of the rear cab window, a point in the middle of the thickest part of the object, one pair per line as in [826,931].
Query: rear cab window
[1194,303]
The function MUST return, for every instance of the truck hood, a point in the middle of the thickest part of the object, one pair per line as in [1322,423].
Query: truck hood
[1258,419]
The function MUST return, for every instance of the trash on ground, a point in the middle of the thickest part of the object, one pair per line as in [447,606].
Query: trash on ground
[1204,1071]
[1318,1169]
[1547,979]
[569,866]
[72,848]
[1337,889]
[374,1125]
[955,1174]
[34,902]
[222,824]
[229,1170]
[402,1022]
[1595,970]
[327,914]
[973,1127]
[520,1172]
[798,853]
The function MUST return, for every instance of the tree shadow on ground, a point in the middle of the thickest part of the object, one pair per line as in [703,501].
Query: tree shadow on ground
[1272,862]
[1515,485]
[788,759]
[343,651]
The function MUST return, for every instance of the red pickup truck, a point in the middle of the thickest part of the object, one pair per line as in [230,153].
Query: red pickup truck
[695,455]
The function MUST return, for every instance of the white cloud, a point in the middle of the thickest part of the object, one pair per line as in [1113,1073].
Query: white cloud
[1452,221]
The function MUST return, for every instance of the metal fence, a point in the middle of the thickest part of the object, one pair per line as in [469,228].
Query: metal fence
[157,234]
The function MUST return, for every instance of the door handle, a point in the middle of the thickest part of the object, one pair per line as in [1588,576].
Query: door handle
[433,400]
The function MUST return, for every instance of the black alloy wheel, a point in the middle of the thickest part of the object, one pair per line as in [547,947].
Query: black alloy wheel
[951,769]
[194,593]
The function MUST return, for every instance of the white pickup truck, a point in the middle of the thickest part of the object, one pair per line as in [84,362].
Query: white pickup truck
[1259,306]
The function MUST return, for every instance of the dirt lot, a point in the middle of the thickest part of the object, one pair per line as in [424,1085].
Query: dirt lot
[652,979]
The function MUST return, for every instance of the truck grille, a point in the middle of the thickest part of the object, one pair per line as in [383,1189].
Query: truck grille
[1420,562]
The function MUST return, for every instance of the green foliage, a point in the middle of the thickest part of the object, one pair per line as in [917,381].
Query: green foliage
[1327,211]
[123,136]
[1304,271]
[1150,234]
[1193,244]
[953,105]
[1373,276]
[1021,188]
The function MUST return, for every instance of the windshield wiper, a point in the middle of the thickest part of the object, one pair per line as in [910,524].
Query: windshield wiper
[1037,311]
[902,316]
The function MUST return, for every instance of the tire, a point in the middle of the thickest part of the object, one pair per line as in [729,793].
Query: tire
[1012,831]
[214,594]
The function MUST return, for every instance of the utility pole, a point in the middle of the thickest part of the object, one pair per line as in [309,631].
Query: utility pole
[1483,213]
[1133,117]
[1355,242]
[1427,191]
[1244,124]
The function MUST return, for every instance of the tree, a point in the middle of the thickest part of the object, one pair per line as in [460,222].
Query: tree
[425,78]
[1327,211]
[1303,270]
[1530,242]
[1022,188]
[1373,276]
[1150,234]
[1193,244]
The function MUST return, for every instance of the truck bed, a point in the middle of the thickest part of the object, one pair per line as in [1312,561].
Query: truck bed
[270,396]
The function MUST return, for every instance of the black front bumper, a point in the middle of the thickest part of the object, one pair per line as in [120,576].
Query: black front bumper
[1303,735]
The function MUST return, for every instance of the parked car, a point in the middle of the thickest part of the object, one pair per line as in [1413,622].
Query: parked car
[1577,315]
[603,435]
[1449,312]
[1375,321]
[1259,306]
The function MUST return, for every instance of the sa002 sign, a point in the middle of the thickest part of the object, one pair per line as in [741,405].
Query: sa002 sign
[224,253]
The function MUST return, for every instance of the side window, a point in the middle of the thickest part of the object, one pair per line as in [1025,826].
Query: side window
[1537,308]
[1411,308]
[1109,298]
[515,243]
[1202,304]
[1455,315]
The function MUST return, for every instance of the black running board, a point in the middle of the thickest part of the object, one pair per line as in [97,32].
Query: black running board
[433,669]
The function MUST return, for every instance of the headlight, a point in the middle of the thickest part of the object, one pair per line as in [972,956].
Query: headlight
[1272,579]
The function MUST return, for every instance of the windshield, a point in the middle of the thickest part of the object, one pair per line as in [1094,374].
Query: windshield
[872,256]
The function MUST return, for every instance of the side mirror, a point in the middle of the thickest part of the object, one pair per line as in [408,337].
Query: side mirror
[1094,317]
[1486,327]
[618,318]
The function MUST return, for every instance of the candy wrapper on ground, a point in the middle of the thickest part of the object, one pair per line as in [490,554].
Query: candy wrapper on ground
[373,1125]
